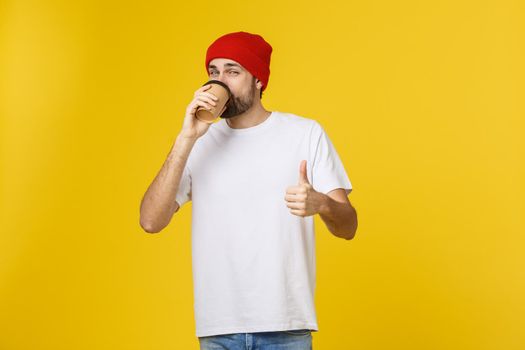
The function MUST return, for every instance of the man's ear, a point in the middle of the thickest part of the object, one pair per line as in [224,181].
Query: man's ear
[259,84]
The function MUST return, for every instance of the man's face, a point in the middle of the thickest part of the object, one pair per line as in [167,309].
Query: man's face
[242,85]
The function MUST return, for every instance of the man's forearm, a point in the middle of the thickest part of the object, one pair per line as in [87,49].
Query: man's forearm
[340,218]
[158,205]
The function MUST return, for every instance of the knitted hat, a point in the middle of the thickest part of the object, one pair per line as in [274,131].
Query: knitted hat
[250,50]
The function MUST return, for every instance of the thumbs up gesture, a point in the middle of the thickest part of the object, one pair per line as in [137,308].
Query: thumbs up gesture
[302,199]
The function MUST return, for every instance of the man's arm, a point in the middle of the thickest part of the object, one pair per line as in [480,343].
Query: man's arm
[338,214]
[158,204]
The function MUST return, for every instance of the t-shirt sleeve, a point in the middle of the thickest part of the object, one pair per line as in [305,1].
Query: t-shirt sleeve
[328,172]
[184,191]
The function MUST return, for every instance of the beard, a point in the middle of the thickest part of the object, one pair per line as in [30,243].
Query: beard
[239,104]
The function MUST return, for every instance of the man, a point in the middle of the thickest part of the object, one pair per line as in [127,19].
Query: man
[256,179]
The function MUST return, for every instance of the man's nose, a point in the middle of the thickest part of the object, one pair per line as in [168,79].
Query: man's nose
[222,79]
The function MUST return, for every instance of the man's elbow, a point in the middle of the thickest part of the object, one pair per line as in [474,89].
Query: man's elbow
[155,226]
[351,233]
[150,228]
[349,236]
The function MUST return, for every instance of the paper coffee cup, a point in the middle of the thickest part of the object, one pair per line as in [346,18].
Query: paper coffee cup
[223,93]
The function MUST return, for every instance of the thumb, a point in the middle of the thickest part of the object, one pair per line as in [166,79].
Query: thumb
[303,178]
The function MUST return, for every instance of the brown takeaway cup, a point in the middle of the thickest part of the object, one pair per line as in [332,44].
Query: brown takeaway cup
[221,90]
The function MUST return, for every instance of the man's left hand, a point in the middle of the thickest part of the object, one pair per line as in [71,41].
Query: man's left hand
[302,199]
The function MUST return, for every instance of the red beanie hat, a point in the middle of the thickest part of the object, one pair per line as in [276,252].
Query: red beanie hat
[250,50]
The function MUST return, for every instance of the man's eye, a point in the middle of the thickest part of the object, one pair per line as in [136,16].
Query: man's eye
[212,73]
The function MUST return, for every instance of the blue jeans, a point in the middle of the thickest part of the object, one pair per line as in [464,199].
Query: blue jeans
[297,339]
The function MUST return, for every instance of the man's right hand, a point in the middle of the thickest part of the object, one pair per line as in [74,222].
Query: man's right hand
[193,127]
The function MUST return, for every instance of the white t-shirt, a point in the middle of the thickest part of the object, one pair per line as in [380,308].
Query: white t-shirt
[253,261]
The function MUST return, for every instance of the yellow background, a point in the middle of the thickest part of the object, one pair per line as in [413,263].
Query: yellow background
[423,101]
